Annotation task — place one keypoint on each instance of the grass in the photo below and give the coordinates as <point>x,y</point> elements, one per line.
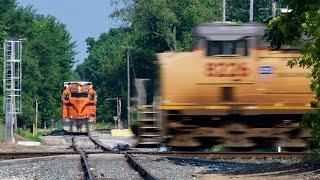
<point>103,126</point>
<point>312,158</point>
<point>2,132</point>
<point>26,133</point>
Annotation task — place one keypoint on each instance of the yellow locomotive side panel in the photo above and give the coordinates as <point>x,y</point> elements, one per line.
<point>194,79</point>
<point>233,90</point>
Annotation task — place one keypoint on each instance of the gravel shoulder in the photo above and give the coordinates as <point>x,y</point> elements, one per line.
<point>5,147</point>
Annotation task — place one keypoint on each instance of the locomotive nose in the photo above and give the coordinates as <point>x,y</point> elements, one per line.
<point>79,105</point>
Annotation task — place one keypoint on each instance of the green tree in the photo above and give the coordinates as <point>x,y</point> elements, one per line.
<point>300,27</point>
<point>53,50</point>
<point>47,59</point>
<point>165,24</point>
<point>6,6</point>
<point>238,10</point>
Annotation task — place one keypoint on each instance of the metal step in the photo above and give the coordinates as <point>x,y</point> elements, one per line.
<point>150,143</point>
<point>149,112</point>
<point>149,127</point>
<point>149,120</point>
<point>150,135</point>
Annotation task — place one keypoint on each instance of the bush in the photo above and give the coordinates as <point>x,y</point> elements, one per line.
<point>311,121</point>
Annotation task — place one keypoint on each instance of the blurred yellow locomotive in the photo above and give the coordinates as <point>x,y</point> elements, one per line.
<point>233,90</point>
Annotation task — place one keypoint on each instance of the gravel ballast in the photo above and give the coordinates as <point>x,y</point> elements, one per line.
<point>111,141</point>
<point>111,166</point>
<point>192,168</point>
<point>58,167</point>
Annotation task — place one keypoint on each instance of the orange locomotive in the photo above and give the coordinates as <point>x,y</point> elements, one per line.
<point>79,107</point>
<point>233,90</point>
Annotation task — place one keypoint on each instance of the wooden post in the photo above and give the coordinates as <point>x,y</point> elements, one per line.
<point>33,129</point>
<point>36,126</point>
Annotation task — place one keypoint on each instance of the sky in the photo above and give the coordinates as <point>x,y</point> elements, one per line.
<point>83,18</point>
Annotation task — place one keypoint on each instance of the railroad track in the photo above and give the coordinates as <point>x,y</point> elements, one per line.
<point>131,156</point>
<point>130,159</point>
<point>202,155</point>
<point>84,161</point>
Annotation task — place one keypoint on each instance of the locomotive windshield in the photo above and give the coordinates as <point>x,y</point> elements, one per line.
<point>227,48</point>
<point>227,39</point>
<point>79,95</point>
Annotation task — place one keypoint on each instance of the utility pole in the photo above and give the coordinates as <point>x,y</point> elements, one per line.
<point>224,11</point>
<point>251,11</point>
<point>36,128</point>
<point>128,49</point>
<point>274,7</point>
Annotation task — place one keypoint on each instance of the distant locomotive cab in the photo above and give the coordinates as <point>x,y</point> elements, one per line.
<point>79,107</point>
<point>231,72</point>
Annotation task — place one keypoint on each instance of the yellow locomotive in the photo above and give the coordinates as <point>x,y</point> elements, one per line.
<point>233,90</point>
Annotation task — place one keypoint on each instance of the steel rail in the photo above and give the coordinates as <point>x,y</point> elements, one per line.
<point>135,165</point>
<point>206,155</point>
<point>21,155</point>
<point>98,144</point>
<point>230,155</point>
<point>33,154</point>
<point>84,162</point>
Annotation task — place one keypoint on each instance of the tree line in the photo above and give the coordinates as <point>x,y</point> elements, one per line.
<point>47,59</point>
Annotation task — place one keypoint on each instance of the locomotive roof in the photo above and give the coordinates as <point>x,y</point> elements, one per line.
<point>229,31</point>
<point>82,83</point>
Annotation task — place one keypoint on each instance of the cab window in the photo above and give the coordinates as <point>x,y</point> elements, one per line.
<point>79,95</point>
<point>215,48</point>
